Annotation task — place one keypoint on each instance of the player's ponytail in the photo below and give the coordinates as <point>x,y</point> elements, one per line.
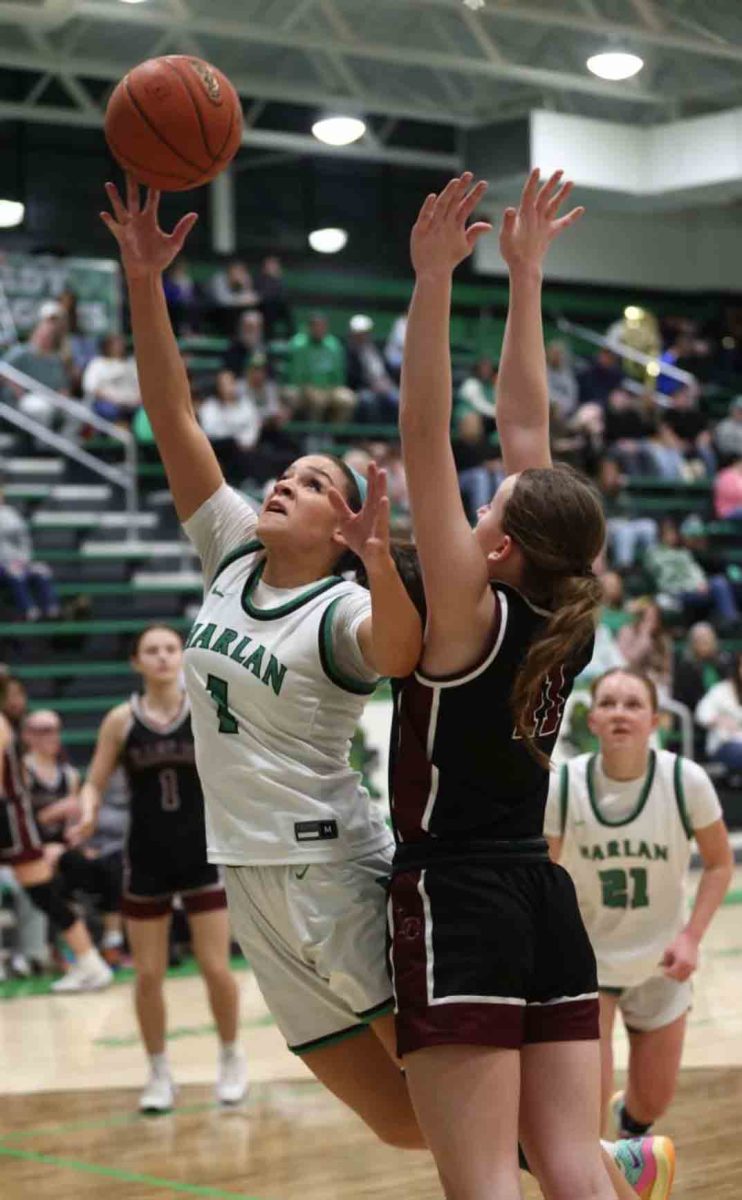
<point>555,517</point>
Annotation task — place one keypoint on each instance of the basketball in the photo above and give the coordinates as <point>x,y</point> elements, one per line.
<point>174,122</point>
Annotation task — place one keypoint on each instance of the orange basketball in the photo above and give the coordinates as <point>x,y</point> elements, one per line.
<point>174,122</point>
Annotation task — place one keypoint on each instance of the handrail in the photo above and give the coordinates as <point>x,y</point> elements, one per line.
<point>125,478</point>
<point>637,356</point>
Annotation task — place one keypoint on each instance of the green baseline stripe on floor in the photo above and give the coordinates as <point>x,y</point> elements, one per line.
<point>733,897</point>
<point>154,1181</point>
<point>133,1117</point>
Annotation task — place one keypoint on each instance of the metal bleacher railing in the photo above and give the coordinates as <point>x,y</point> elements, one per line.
<point>627,352</point>
<point>125,476</point>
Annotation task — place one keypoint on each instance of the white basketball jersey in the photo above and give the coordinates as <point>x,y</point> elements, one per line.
<point>629,875</point>
<point>273,717</point>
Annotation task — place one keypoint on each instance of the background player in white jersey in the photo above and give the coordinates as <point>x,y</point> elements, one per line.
<point>150,736</point>
<point>622,822</point>
<point>279,664</point>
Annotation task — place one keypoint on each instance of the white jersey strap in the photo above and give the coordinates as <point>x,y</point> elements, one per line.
<point>677,778</point>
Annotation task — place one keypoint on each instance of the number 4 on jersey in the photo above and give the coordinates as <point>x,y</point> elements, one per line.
<point>550,707</point>
<point>219,692</point>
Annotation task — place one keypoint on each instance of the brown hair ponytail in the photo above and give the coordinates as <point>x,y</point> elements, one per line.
<point>555,517</point>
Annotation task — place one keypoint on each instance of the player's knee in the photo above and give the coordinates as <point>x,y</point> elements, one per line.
<point>402,1134</point>
<point>149,977</point>
<point>51,900</point>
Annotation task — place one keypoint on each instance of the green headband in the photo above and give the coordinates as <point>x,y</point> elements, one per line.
<point>360,483</point>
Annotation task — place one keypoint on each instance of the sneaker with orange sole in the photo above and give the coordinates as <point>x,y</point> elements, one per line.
<point>648,1164</point>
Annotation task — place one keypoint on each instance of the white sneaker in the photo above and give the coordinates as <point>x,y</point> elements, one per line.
<point>232,1082</point>
<point>89,978</point>
<point>158,1096</point>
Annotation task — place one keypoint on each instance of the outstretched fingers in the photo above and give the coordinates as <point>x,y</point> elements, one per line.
<point>546,191</point>
<point>380,528</point>
<point>552,208</point>
<point>471,200</point>
<point>339,505</point>
<point>569,219</point>
<point>132,194</point>
<point>183,228</point>
<point>117,204</point>
<point>530,189</point>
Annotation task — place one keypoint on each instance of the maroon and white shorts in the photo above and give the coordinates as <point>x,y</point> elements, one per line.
<point>20,841</point>
<point>489,953</point>
<point>148,893</point>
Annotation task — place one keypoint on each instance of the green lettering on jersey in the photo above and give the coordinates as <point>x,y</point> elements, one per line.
<point>192,634</point>
<point>585,852</point>
<point>660,852</point>
<point>644,851</point>
<point>274,674</point>
<point>255,662</point>
<point>224,641</point>
<point>612,850</point>
<point>627,848</point>
<point>204,638</point>
<point>598,853</point>
<point>241,645</point>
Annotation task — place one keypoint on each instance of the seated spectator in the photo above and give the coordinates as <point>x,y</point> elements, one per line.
<point>475,463</point>
<point>276,448</point>
<point>273,302</point>
<point>247,342</point>
<point>477,392</point>
<point>233,287</point>
<point>663,451</point>
<point>679,578</point>
<point>690,427</point>
<point>29,582</point>
<point>77,347</point>
<point>231,422</point>
<point>184,298</point>
<point>720,714</point>
<point>646,646</point>
<point>626,431</point>
<point>394,348</point>
<point>614,614</point>
<point>40,358</point>
<point>709,554</point>
<point>53,784</point>
<point>728,492</point>
<point>316,374</point>
<point>728,433</point>
<point>628,536</point>
<point>367,375</point>
<point>561,378</point>
<point>396,484</point>
<point>700,667</point>
<point>680,348</point>
<point>603,376</point>
<point>110,383</point>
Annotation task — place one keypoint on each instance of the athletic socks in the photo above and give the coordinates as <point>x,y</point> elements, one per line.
<point>159,1065</point>
<point>229,1050</point>
<point>113,940</point>
<point>631,1127</point>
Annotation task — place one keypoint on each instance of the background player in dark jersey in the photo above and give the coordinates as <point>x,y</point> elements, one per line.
<point>151,736</point>
<point>495,979</point>
<point>53,784</point>
<point>21,848</point>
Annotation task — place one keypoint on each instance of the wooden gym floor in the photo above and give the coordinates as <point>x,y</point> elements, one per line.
<point>71,1067</point>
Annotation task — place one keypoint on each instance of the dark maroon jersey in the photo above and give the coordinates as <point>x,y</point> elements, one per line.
<point>458,769</point>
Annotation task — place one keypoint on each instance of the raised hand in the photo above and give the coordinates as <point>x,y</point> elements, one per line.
<point>145,248</point>
<point>366,533</point>
<point>440,237</point>
<point>528,230</point>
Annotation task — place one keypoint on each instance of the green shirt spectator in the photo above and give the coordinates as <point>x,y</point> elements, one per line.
<point>316,357</point>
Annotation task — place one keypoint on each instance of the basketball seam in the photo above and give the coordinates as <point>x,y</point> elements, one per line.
<point>186,84</point>
<point>229,131</point>
<point>126,158</point>
<point>158,134</point>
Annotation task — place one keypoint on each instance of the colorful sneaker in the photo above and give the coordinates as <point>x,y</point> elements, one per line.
<point>648,1164</point>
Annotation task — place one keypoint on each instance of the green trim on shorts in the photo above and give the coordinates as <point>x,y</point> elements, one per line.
<point>320,1043</point>
<point>379,1010</point>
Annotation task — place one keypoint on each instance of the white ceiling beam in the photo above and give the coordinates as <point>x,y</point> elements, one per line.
<point>300,9</point>
<point>336,21</point>
<point>249,85</point>
<point>486,44</point>
<point>295,143</point>
<point>648,15</point>
<point>404,56</point>
<point>77,92</point>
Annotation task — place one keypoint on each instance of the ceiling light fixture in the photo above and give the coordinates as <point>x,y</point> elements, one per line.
<point>339,131</point>
<point>12,213</point>
<point>328,241</point>
<point>615,65</point>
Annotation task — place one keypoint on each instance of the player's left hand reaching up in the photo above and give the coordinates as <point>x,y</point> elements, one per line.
<point>366,533</point>
<point>440,237</point>
<point>528,230</point>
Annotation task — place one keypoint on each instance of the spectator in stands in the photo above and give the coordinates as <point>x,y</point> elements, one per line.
<point>728,433</point>
<point>367,375</point>
<point>396,484</point>
<point>77,347</point>
<point>601,378</point>
<point>646,646</point>
<point>720,714</point>
<point>681,347</point>
<point>628,535</point>
<point>477,392</point>
<point>246,344</point>
<point>561,378</point>
<point>710,554</point>
<point>728,492</point>
<point>664,452</point>
<point>231,422</point>
<point>184,298</point>
<point>700,667</point>
<point>680,579</point>
<point>614,614</point>
<point>233,287</point>
<point>626,431</point>
<point>40,358</point>
<point>690,427</point>
<point>475,462</point>
<point>276,447</point>
<point>29,582</point>
<point>273,302</point>
<point>110,383</point>
<point>394,348</point>
<point>316,374</point>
